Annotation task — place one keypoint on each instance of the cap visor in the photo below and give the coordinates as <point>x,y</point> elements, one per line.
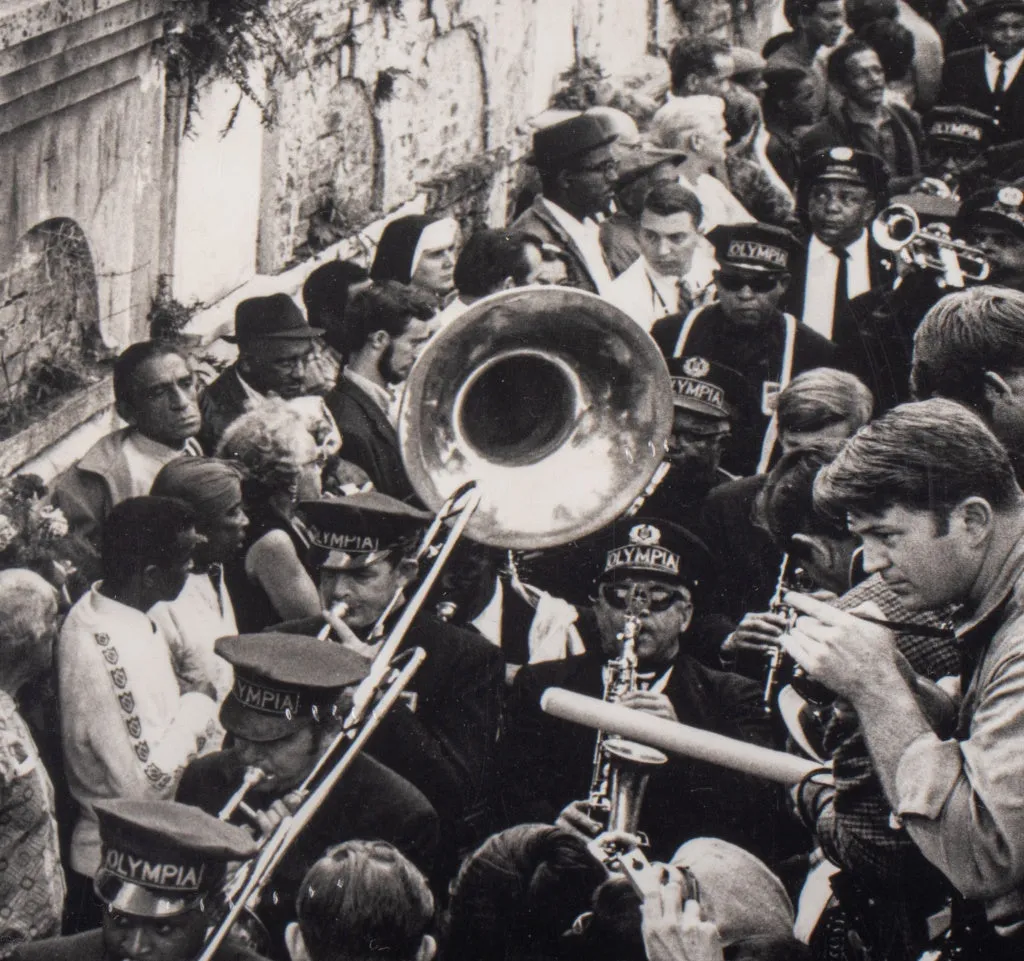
<point>136,900</point>
<point>698,407</point>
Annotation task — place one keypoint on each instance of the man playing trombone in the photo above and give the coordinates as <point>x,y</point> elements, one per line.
<point>281,716</point>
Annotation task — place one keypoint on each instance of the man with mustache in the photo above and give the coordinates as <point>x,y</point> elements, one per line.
<point>385,328</point>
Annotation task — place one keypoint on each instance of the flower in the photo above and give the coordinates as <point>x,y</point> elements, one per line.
<point>8,532</point>
<point>54,523</point>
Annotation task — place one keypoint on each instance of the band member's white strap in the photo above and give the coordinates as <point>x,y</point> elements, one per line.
<point>771,434</point>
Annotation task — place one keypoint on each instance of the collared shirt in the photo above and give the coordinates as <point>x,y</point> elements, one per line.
<point>145,457</point>
<point>822,273</point>
<point>253,396</point>
<point>586,235</point>
<point>720,206</point>
<point>992,63</point>
<point>962,800</point>
<point>31,880</point>
<point>381,396</point>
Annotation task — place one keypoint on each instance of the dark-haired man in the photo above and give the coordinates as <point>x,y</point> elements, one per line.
<point>163,865</point>
<point>276,347</point>
<point>789,105</point>
<point>657,572</point>
<point>745,329</point>
<point>386,326</point>
<point>578,172</point>
<point>958,541</point>
<point>127,727</point>
<point>155,393</point>
<point>863,120</point>
<point>700,65</point>
<point>987,78</point>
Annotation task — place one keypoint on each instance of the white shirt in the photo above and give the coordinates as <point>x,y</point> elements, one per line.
<point>126,729</point>
<point>822,272</point>
<point>145,457</point>
<point>720,205</point>
<point>992,69</point>
<point>586,235</point>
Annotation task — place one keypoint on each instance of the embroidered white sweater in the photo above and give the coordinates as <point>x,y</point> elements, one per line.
<point>127,731</point>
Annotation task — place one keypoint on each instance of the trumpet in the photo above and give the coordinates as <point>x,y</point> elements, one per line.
<point>253,776</point>
<point>898,228</point>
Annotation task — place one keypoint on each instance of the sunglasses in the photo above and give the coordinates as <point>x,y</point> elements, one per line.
<point>758,283</point>
<point>654,599</point>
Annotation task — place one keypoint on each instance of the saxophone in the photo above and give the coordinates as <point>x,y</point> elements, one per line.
<point>621,768</point>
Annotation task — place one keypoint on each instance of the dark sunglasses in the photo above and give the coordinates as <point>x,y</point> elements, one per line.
<point>655,600</point>
<point>758,283</point>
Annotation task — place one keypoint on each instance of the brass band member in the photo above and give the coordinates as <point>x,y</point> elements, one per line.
<point>162,864</point>
<point>658,570</point>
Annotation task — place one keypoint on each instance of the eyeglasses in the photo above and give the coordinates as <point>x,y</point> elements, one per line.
<point>608,168</point>
<point>758,283</point>
<point>654,599</point>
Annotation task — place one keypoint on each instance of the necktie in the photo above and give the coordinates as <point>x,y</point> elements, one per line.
<point>1000,86</point>
<point>842,298</point>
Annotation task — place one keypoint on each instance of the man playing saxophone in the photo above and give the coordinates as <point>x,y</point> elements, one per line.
<point>651,575</point>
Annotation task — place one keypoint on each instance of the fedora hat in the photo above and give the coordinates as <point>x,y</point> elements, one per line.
<point>276,317</point>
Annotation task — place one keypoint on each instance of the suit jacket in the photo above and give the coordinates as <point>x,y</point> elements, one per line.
<point>89,946</point>
<point>537,221</point>
<point>548,761</point>
<point>367,438</point>
<point>222,403</point>
<point>964,82</point>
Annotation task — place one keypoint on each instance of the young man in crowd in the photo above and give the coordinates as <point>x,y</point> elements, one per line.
<point>957,795</point>
<point>655,571</point>
<point>664,280</point>
<point>816,24</point>
<point>385,328</point>
<point>31,880</point>
<point>789,105</point>
<point>578,171</point>
<point>863,119</point>
<point>155,393</point>
<point>988,78</point>
<point>283,714</point>
<point>127,726</point>
<point>276,347</point>
<point>745,329</point>
<point>162,866</point>
<point>700,65</point>
<point>367,896</point>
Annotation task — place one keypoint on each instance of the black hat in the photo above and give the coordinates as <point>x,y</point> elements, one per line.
<point>983,11</point>
<point>160,857</point>
<point>562,144</point>
<point>358,530</point>
<point>276,317</point>
<point>753,246</point>
<point>705,386</point>
<point>652,546</point>
<point>847,165</point>
<point>958,124</point>
<point>284,682</point>
<point>1000,206</point>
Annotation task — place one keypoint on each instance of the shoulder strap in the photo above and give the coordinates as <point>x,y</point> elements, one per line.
<point>771,434</point>
<point>687,329</point>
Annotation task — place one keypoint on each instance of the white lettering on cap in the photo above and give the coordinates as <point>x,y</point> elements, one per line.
<point>166,875</point>
<point>758,252</point>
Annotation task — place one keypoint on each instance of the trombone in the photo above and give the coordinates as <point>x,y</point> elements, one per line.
<point>898,228</point>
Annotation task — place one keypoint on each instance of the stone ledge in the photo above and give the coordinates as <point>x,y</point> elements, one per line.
<point>24,19</point>
<point>76,410</point>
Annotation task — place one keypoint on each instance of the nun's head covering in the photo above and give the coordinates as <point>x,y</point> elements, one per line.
<point>403,242</point>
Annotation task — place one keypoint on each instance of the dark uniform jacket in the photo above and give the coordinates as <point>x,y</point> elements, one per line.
<point>89,946</point>
<point>964,82</point>
<point>757,355</point>
<point>222,403</point>
<point>370,802</point>
<point>446,748</point>
<point>538,222</point>
<point>548,761</point>
<point>368,439</point>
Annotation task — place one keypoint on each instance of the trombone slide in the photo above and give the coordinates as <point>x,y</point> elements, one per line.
<point>676,738</point>
<point>253,776</point>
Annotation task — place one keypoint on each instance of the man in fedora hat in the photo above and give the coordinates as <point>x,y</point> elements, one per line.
<point>578,172</point>
<point>987,78</point>
<point>275,349</point>
<point>162,866</point>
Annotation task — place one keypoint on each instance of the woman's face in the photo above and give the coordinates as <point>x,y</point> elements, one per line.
<point>310,463</point>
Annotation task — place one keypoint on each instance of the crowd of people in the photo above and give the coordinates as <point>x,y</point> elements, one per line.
<point>825,243</point>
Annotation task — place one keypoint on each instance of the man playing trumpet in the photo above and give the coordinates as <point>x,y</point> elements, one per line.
<point>655,573</point>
